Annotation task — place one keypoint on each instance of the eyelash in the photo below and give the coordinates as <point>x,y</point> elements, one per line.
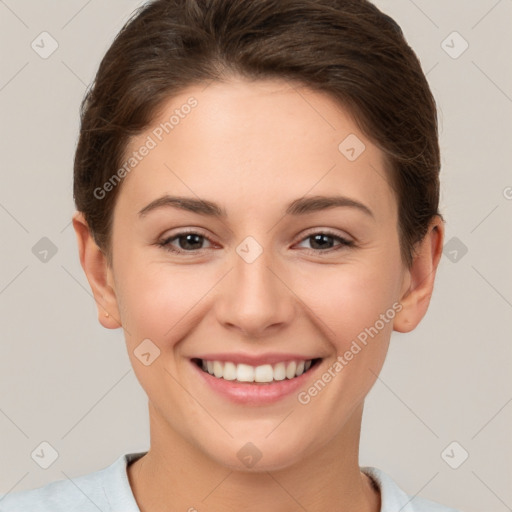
<point>165,243</point>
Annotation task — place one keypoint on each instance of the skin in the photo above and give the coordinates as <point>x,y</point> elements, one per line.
<point>253,147</point>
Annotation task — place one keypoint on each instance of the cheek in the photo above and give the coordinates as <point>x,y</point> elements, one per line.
<point>356,305</point>
<point>349,300</point>
<point>358,309</point>
<point>157,301</point>
<point>161,305</point>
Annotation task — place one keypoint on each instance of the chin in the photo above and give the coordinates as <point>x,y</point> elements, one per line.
<point>256,456</point>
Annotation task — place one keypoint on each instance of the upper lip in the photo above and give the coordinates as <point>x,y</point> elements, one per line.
<point>255,360</point>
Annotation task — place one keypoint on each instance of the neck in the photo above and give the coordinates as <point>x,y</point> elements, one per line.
<point>176,476</point>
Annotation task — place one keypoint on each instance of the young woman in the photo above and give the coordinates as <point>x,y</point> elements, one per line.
<point>257,189</point>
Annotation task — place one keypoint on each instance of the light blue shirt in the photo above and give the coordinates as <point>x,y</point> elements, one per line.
<point>108,490</point>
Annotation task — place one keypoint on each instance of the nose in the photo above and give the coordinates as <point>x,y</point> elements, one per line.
<point>254,298</point>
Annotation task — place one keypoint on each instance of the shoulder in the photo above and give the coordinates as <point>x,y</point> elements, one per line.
<point>107,489</point>
<point>84,494</point>
<point>393,498</point>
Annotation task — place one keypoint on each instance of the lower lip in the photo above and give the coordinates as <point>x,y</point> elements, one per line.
<point>255,394</point>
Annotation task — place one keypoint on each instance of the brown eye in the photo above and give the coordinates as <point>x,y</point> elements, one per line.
<point>187,242</point>
<point>323,241</point>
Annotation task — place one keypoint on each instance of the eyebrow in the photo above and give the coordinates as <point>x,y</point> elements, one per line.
<point>301,206</point>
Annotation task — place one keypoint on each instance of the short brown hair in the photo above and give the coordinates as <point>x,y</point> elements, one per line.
<point>346,48</point>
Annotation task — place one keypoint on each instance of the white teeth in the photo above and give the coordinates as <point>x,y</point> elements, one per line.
<point>218,369</point>
<point>263,373</point>
<point>290,370</point>
<point>245,373</point>
<point>279,371</point>
<point>229,371</point>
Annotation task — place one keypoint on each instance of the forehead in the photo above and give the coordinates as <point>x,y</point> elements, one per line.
<point>256,144</point>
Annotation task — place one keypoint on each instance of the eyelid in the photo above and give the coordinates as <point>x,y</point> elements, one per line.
<point>183,231</point>
<point>326,231</point>
<point>344,240</point>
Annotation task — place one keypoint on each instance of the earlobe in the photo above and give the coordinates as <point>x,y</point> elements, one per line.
<point>419,281</point>
<point>98,273</point>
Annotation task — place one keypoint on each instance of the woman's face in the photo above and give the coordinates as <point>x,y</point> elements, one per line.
<point>278,279</point>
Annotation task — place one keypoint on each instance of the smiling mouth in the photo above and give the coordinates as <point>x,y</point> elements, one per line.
<point>263,374</point>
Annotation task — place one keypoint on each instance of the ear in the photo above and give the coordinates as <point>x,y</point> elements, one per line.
<point>418,281</point>
<point>98,273</point>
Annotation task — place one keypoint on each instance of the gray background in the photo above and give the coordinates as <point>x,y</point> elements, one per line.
<point>67,381</point>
